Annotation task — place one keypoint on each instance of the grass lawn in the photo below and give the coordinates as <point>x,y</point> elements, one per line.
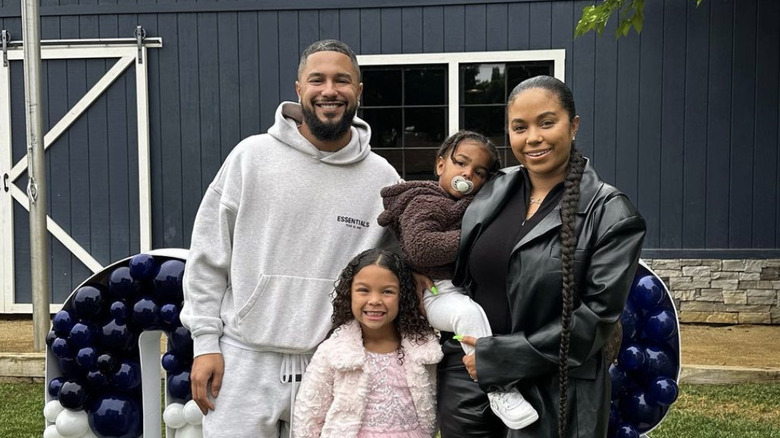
<point>711,411</point>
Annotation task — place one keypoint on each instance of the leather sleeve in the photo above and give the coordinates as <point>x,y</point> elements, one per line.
<point>505,360</point>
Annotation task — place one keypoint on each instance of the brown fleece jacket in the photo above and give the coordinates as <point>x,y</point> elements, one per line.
<point>426,221</point>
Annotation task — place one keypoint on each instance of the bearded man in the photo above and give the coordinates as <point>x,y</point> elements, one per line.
<point>285,213</point>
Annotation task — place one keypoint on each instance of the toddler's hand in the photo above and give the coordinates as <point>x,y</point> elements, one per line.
<point>470,360</point>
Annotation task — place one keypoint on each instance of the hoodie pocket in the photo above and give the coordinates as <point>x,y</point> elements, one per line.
<point>286,313</point>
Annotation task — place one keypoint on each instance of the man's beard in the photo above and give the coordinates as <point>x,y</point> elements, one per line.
<point>328,131</point>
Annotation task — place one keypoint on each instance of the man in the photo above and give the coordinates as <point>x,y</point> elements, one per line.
<point>285,213</point>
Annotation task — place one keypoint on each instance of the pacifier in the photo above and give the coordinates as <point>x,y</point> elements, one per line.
<point>462,185</point>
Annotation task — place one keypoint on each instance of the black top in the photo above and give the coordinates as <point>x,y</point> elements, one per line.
<point>489,259</point>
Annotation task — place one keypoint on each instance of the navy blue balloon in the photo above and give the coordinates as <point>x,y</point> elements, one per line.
<point>663,391</point>
<point>89,302</point>
<point>660,362</point>
<point>122,285</point>
<point>619,379</point>
<point>54,386</point>
<point>642,414</point>
<point>72,395</point>
<point>181,341</point>
<point>660,325</point>
<point>179,386</point>
<point>625,430</point>
<point>116,336</point>
<point>146,314</point>
<point>171,363</point>
<point>70,369</point>
<point>119,311</point>
<point>116,416</point>
<point>632,357</point>
<point>169,315</point>
<point>142,267</point>
<point>128,376</point>
<point>82,335</point>
<point>647,292</point>
<point>630,322</point>
<point>168,281</point>
<point>86,358</point>
<point>614,416</point>
<point>107,363</point>
<point>98,380</point>
<point>50,337</point>
<point>62,322</point>
<point>60,347</point>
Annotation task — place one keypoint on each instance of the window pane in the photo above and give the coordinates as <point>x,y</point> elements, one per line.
<point>385,126</point>
<point>482,83</point>
<point>424,127</point>
<point>425,85</point>
<point>509,158</point>
<point>419,164</point>
<point>393,156</point>
<point>518,72</point>
<point>487,120</point>
<point>381,86</point>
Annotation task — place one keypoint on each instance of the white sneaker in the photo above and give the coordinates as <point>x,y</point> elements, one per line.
<point>512,409</point>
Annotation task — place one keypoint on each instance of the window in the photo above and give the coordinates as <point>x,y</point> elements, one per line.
<point>413,102</point>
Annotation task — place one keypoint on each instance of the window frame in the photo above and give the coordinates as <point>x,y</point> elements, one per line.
<point>453,60</point>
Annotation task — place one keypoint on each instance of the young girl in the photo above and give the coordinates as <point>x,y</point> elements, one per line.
<point>376,373</point>
<point>426,217</point>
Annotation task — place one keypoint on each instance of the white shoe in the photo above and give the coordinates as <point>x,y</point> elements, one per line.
<point>512,409</point>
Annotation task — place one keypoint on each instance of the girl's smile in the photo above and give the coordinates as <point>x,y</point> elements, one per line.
<point>375,297</point>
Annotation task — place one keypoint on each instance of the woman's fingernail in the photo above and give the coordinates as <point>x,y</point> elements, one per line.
<point>458,337</point>
<point>434,290</point>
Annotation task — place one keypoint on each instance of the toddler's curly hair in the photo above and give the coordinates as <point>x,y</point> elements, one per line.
<point>410,322</point>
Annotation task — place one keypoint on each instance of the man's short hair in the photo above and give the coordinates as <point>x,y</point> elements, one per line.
<point>328,46</point>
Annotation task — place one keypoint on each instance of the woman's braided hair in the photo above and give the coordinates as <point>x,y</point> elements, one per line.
<point>410,321</point>
<point>568,235</point>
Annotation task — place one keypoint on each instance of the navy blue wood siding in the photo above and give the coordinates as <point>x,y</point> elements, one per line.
<point>683,118</point>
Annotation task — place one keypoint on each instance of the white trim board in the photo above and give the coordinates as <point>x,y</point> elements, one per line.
<point>454,59</point>
<point>126,54</point>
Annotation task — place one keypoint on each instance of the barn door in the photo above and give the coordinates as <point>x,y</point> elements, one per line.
<point>77,220</point>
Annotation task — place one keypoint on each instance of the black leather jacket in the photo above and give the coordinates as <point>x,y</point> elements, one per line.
<point>610,234</point>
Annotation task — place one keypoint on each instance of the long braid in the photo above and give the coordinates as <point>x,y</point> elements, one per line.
<point>568,236</point>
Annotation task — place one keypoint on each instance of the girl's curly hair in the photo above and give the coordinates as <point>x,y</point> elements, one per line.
<point>410,323</point>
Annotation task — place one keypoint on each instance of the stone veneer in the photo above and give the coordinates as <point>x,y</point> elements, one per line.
<point>722,291</point>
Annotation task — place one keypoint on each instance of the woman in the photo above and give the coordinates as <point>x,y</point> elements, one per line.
<point>549,251</point>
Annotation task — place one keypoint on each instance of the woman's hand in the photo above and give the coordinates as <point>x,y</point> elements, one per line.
<point>470,360</point>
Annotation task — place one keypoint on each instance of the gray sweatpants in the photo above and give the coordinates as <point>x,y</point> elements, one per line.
<point>253,401</point>
<point>451,310</point>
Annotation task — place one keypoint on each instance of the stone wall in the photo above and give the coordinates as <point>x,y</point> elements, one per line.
<point>722,291</point>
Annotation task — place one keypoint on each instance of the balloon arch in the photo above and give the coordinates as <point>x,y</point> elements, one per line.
<point>103,359</point>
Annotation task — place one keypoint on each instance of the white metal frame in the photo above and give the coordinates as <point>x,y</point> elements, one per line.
<point>453,61</point>
<point>127,54</point>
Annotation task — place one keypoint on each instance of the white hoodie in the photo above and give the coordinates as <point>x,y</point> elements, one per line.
<point>274,230</point>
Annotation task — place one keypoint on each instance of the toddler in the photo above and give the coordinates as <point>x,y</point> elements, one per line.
<point>426,216</point>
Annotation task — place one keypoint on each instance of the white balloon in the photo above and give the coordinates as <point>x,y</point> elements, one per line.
<point>174,415</point>
<point>190,431</point>
<point>192,413</point>
<point>51,432</point>
<point>52,409</point>
<point>72,423</point>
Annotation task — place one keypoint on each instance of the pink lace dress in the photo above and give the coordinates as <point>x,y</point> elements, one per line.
<point>390,411</point>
